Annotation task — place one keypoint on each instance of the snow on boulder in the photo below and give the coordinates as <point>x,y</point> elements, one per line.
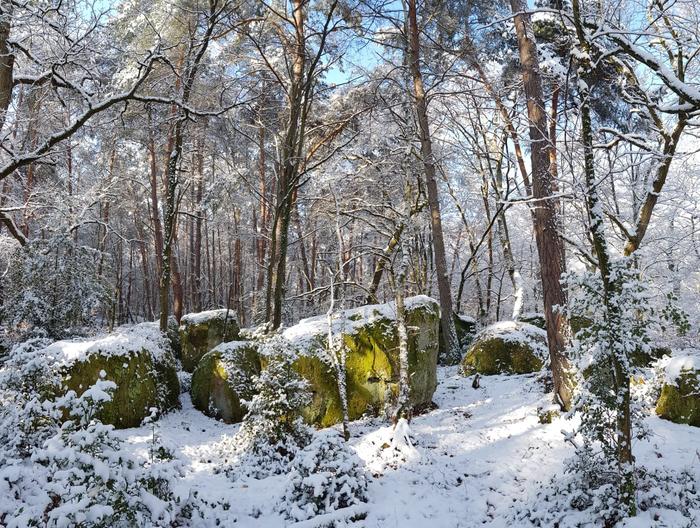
<point>680,395</point>
<point>138,359</point>
<point>223,378</point>
<point>370,337</point>
<point>201,332</point>
<point>534,318</point>
<point>507,347</point>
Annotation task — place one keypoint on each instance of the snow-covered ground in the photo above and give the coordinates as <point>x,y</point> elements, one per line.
<point>475,456</point>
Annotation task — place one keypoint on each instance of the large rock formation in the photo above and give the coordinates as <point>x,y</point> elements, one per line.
<point>137,358</point>
<point>370,338</point>
<point>680,395</point>
<point>507,347</point>
<point>201,332</point>
<point>223,378</point>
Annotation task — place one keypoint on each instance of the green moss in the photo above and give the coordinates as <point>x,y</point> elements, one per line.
<point>372,368</point>
<point>535,319</point>
<point>681,403</point>
<point>196,339</point>
<point>141,384</point>
<point>578,323</point>
<point>497,354</point>
<point>216,391</point>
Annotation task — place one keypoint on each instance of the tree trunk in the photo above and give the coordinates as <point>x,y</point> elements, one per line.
<point>452,353</point>
<point>611,285</point>
<point>546,219</point>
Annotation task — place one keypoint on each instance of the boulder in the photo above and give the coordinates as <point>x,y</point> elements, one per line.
<point>466,328</point>
<point>223,378</point>
<point>679,401</point>
<point>137,358</point>
<point>370,338</point>
<point>534,318</point>
<point>201,332</point>
<point>507,347</point>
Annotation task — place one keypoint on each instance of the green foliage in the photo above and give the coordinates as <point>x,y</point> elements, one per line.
<point>53,287</point>
<point>672,314</point>
<point>272,431</point>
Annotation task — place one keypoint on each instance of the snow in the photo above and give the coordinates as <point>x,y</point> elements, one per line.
<point>516,331</point>
<point>681,361</point>
<point>482,451</point>
<point>203,317</point>
<point>124,340</point>
<point>305,334</point>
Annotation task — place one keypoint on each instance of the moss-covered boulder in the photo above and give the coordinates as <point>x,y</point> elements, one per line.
<point>466,330</point>
<point>137,359</point>
<point>680,395</point>
<point>370,338</point>
<point>534,318</point>
<point>223,378</point>
<point>507,347</point>
<point>201,332</point>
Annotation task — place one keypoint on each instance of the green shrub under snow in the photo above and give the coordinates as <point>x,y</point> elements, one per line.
<point>61,466</point>
<point>326,478</point>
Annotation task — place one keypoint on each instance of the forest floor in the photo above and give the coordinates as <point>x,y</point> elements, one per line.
<point>474,458</point>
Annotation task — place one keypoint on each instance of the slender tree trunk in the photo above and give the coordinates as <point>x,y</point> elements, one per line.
<point>611,286</point>
<point>452,353</point>
<point>172,180</point>
<point>546,219</point>
<point>7,59</point>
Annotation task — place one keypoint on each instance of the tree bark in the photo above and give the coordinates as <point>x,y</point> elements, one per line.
<point>452,353</point>
<point>546,218</point>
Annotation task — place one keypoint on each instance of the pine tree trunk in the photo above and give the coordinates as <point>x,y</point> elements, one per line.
<point>550,246</point>
<point>452,353</point>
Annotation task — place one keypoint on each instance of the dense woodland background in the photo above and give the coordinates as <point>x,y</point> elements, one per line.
<point>143,129</point>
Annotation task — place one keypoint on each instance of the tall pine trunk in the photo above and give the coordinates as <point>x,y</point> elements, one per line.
<point>452,354</point>
<point>550,246</point>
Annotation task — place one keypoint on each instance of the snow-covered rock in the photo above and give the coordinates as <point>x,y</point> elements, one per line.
<point>201,332</point>
<point>680,395</point>
<point>137,358</point>
<point>370,338</point>
<point>223,378</point>
<point>506,347</point>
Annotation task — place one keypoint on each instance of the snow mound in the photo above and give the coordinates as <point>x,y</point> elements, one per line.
<point>685,360</point>
<point>124,340</point>
<point>305,333</point>
<point>203,317</point>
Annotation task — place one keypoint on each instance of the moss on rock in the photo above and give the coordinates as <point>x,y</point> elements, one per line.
<point>223,378</point>
<point>370,336</point>
<point>506,348</point>
<point>201,332</point>
<point>142,383</point>
<point>466,330</point>
<point>534,318</point>
<point>679,401</point>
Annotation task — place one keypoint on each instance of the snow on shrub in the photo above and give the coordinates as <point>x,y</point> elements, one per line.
<point>53,287</point>
<point>272,431</point>
<point>326,476</point>
<point>59,466</point>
